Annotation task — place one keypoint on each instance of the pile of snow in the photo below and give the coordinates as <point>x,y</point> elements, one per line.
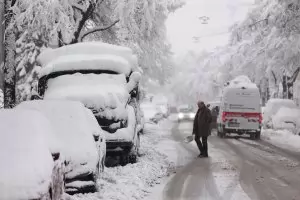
<point>127,133</point>
<point>272,107</point>
<point>282,138</point>
<point>72,128</point>
<point>87,62</point>
<point>287,118</point>
<point>136,181</point>
<point>88,48</point>
<point>242,81</point>
<point>105,93</point>
<point>26,161</point>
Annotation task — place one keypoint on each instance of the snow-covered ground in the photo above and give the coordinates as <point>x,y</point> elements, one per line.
<point>136,181</point>
<point>282,138</point>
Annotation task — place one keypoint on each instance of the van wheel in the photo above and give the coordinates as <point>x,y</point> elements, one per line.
<point>257,135</point>
<point>252,136</point>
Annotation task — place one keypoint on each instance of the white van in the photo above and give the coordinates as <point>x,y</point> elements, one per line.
<point>240,110</point>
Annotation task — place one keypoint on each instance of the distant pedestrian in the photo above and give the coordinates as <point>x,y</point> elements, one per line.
<point>201,128</point>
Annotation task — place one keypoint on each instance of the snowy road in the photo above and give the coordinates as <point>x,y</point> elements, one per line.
<point>237,169</point>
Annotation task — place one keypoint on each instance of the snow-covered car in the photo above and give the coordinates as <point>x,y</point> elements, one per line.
<point>31,165</point>
<point>288,119</point>
<point>105,78</point>
<point>157,117</point>
<point>149,110</point>
<point>272,107</point>
<point>82,141</point>
<point>186,113</point>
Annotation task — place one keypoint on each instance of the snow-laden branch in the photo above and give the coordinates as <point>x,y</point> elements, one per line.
<point>96,29</point>
<point>79,7</point>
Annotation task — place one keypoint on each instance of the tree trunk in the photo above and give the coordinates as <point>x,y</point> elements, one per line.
<point>2,30</point>
<point>9,70</point>
<point>284,86</point>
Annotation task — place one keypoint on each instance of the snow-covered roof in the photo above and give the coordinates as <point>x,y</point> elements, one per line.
<point>106,93</point>
<point>241,82</point>
<point>72,128</point>
<point>87,62</point>
<point>89,48</point>
<point>26,161</point>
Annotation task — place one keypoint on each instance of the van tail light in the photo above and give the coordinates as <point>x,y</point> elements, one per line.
<point>260,118</point>
<point>223,116</point>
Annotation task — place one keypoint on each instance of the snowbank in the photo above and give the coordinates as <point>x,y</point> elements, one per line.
<point>90,48</point>
<point>282,138</point>
<point>105,93</point>
<point>136,181</point>
<point>87,62</point>
<point>73,130</point>
<point>26,161</point>
<point>272,107</point>
<point>125,134</point>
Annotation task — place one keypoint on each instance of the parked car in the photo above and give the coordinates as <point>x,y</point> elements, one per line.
<point>287,119</point>
<point>240,109</point>
<point>31,165</point>
<point>272,107</point>
<point>186,113</point>
<point>81,138</point>
<point>105,78</point>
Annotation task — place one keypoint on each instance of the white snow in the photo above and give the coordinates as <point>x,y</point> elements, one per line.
<point>127,133</point>
<point>71,126</point>
<point>287,118</point>
<point>87,62</point>
<point>149,110</point>
<point>105,93</point>
<point>26,161</point>
<point>272,107</point>
<point>282,138</point>
<point>136,181</point>
<point>90,48</point>
<point>242,81</point>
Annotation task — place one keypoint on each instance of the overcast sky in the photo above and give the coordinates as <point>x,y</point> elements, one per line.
<point>184,24</point>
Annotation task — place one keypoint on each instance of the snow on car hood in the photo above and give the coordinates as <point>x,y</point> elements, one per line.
<point>73,130</point>
<point>107,94</point>
<point>26,162</point>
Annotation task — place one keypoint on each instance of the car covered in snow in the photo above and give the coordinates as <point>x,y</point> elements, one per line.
<point>105,78</point>
<point>287,119</point>
<point>31,165</point>
<point>82,141</point>
<point>271,109</point>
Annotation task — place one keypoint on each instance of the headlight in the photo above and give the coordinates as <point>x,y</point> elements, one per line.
<point>180,115</point>
<point>192,115</point>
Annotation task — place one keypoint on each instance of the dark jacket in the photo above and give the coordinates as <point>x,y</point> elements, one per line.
<point>202,122</point>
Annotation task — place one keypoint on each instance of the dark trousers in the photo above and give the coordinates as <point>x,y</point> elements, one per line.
<point>202,146</point>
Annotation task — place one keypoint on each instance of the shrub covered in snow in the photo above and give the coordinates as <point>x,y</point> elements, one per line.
<point>73,128</point>
<point>27,167</point>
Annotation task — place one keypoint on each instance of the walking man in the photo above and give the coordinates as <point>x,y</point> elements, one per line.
<point>201,128</point>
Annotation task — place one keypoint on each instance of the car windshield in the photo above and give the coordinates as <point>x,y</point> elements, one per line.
<point>185,110</point>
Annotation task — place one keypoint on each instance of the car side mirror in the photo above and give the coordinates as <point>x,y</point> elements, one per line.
<point>96,138</point>
<point>55,156</point>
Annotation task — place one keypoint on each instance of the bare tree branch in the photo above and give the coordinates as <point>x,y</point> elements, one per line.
<point>96,29</point>
<point>79,7</point>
